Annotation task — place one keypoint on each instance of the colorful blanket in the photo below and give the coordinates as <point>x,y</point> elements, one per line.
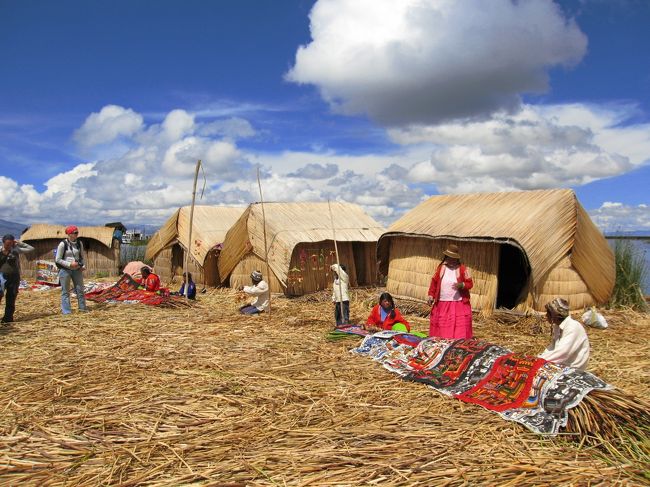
<point>126,290</point>
<point>526,389</point>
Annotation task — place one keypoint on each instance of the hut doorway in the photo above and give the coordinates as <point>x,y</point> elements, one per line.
<point>359,263</point>
<point>512,277</point>
<point>178,258</point>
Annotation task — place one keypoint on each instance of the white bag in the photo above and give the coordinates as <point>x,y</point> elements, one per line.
<point>593,318</point>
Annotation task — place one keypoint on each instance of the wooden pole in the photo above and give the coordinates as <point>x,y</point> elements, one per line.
<point>338,263</point>
<point>266,249</point>
<point>189,241</point>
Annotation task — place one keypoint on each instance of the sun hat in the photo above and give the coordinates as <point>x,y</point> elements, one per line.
<point>71,229</point>
<point>452,251</point>
<point>256,275</point>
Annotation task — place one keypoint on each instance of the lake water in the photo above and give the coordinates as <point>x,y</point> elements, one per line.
<point>642,247</point>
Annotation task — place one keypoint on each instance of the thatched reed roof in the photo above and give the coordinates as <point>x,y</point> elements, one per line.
<point>547,225</point>
<point>209,229</point>
<point>289,224</point>
<point>43,231</point>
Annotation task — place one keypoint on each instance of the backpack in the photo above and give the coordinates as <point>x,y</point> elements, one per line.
<point>66,247</point>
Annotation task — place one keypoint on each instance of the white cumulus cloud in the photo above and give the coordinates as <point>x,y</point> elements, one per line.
<point>618,217</point>
<point>110,123</point>
<point>424,61</point>
<point>536,148</point>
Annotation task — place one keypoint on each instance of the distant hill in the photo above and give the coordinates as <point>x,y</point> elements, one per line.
<point>11,227</point>
<point>631,234</point>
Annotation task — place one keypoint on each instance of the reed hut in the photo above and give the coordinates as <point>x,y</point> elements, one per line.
<point>167,247</point>
<point>300,242</point>
<point>522,248</point>
<point>102,251</point>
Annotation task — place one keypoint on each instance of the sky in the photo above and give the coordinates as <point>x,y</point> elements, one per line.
<point>105,107</point>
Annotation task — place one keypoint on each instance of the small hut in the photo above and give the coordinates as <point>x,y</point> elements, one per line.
<point>102,251</point>
<point>300,245</point>
<point>523,249</point>
<point>167,247</point>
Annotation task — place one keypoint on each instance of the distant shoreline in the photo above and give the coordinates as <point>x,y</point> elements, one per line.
<point>627,237</point>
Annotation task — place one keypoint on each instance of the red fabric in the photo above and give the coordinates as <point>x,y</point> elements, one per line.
<point>451,319</point>
<point>434,287</point>
<point>151,283</point>
<point>70,229</point>
<point>375,319</point>
<point>507,386</point>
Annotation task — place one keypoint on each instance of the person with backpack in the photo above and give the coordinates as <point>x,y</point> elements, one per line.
<point>10,273</point>
<point>70,261</point>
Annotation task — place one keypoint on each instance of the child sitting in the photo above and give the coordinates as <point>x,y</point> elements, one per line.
<point>385,316</point>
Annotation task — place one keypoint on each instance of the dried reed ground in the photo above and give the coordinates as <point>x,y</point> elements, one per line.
<point>135,395</point>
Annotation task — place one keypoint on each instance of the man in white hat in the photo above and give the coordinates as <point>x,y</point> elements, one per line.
<point>569,344</point>
<point>260,290</point>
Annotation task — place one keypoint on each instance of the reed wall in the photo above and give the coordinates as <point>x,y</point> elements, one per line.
<point>413,261</point>
<point>241,274</point>
<point>168,264</point>
<point>100,260</point>
<point>562,282</point>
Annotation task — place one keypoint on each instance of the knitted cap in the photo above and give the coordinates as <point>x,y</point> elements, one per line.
<point>559,306</point>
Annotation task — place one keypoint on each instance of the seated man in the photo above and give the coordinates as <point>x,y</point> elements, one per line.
<point>149,281</point>
<point>260,290</point>
<point>569,343</point>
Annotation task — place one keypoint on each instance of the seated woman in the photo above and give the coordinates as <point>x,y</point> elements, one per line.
<point>191,287</point>
<point>385,316</point>
<point>569,343</point>
<point>149,281</point>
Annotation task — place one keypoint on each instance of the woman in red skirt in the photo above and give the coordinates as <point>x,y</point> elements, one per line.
<point>451,313</point>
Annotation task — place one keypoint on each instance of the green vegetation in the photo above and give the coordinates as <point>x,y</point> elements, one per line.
<point>630,274</point>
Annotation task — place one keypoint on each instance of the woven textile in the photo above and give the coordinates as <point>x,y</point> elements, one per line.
<point>507,385</point>
<point>521,388</point>
<point>125,290</point>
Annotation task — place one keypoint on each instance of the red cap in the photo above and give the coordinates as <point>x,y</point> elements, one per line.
<point>70,229</point>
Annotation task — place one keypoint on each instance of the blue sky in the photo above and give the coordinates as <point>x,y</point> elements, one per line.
<point>105,106</point>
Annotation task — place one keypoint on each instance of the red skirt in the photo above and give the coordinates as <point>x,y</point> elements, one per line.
<point>451,319</point>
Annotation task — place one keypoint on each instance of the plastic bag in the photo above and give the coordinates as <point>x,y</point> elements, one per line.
<point>593,318</point>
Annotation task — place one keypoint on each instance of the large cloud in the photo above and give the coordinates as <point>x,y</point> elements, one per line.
<point>431,60</point>
<point>539,147</point>
<point>553,146</point>
<point>110,123</point>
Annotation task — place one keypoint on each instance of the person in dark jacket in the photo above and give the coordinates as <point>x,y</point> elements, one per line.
<point>10,273</point>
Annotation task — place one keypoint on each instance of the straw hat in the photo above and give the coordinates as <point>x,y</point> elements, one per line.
<point>452,251</point>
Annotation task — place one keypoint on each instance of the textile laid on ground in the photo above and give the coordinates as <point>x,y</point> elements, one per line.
<point>91,286</point>
<point>125,290</point>
<point>526,389</point>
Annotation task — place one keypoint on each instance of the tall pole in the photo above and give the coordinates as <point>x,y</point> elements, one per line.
<point>189,238</point>
<point>338,263</point>
<point>266,249</point>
